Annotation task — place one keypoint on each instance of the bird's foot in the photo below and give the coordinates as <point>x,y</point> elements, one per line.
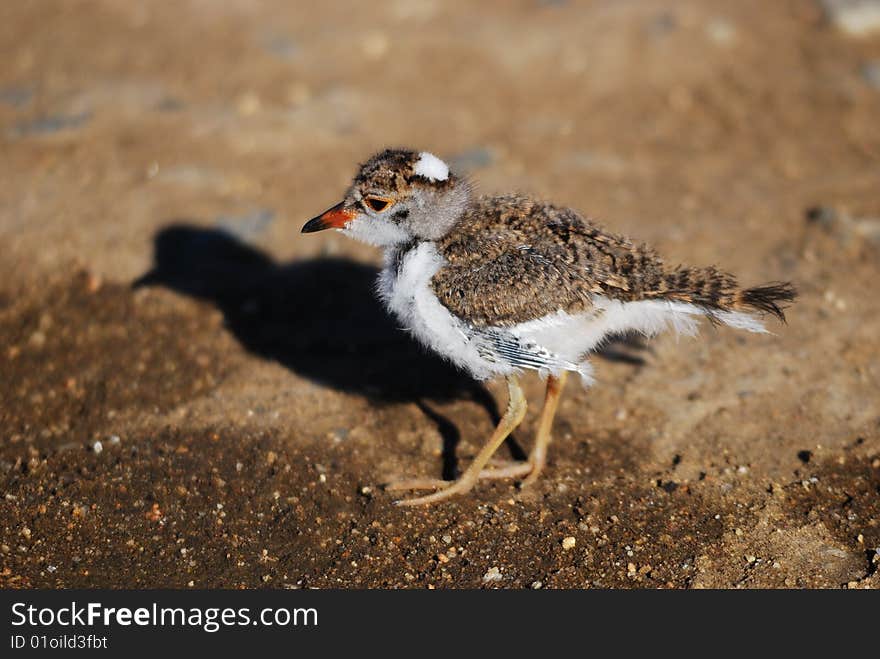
<point>446,489</point>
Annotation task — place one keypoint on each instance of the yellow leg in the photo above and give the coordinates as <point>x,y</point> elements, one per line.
<point>516,410</point>
<point>538,457</point>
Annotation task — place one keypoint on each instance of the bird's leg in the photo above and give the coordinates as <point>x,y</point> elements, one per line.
<point>516,409</point>
<point>538,456</point>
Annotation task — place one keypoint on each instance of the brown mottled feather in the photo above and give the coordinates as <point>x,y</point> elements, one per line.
<point>512,259</point>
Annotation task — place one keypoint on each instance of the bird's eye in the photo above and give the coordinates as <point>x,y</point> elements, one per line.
<point>378,204</point>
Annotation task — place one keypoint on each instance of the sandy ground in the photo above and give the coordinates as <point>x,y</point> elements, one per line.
<point>194,394</point>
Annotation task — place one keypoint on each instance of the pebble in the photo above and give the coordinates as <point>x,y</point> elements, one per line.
<point>871,73</point>
<point>248,104</point>
<point>280,45</point>
<point>51,124</point>
<point>37,339</point>
<point>721,32</point>
<point>16,96</point>
<point>247,226</point>
<point>375,45</point>
<point>97,447</point>
<point>536,585</point>
<point>568,543</point>
<point>473,158</point>
<point>855,17</point>
<point>446,539</point>
<point>492,574</point>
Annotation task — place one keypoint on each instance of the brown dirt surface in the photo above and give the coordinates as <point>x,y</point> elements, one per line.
<point>192,394</point>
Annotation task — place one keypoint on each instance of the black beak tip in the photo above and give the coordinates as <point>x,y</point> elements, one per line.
<point>315,224</point>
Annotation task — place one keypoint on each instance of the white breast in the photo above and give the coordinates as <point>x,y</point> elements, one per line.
<point>405,287</point>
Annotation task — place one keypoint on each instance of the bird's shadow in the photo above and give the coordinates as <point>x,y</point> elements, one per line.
<point>321,319</point>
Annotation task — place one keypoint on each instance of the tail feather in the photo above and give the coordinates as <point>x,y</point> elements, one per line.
<point>771,298</point>
<point>718,292</point>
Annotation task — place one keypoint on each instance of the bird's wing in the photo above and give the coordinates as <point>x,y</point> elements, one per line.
<point>500,344</point>
<point>504,268</point>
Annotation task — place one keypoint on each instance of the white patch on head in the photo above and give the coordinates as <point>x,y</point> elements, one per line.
<point>375,231</point>
<point>431,167</point>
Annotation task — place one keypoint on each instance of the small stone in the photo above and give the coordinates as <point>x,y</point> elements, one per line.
<point>114,440</point>
<point>630,569</point>
<point>492,574</point>
<point>568,543</point>
<point>375,45</point>
<point>474,158</point>
<point>536,585</point>
<point>721,32</point>
<point>446,539</point>
<point>97,447</point>
<point>855,17</point>
<point>248,104</point>
<point>871,73</point>
<point>37,339</point>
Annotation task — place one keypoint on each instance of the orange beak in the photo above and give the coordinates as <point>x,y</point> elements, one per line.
<point>332,218</point>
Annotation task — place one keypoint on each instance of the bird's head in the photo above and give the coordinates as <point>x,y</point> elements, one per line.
<point>398,196</point>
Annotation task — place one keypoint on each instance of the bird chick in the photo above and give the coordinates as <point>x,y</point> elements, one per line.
<point>502,284</point>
